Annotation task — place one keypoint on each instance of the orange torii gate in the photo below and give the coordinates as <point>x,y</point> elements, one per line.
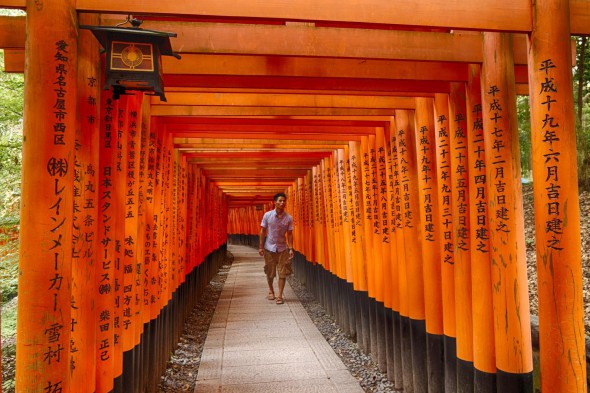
<point>146,192</point>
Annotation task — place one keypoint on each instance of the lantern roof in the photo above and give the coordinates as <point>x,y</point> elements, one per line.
<point>159,38</point>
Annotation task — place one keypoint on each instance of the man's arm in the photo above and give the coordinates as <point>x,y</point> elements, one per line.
<point>290,244</point>
<point>261,240</point>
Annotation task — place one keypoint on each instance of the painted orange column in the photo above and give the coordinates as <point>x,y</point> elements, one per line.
<point>382,200</point>
<point>142,256</point>
<point>345,213</point>
<point>149,257</point>
<point>308,205</point>
<point>105,271</point>
<point>167,208</point>
<point>484,356</point>
<point>44,307</point>
<point>431,237</point>
<point>444,176</point>
<point>85,251</point>
<point>118,223</point>
<point>319,217</point>
<point>509,270</point>
<point>461,228</point>
<point>130,322</point>
<point>340,264</point>
<point>46,215</point>
<point>367,208</point>
<point>395,224</point>
<point>398,269</point>
<point>557,215</point>
<point>376,227</point>
<point>327,169</point>
<point>182,219</point>
<point>408,176</point>
<point>357,218</point>
<point>429,214</point>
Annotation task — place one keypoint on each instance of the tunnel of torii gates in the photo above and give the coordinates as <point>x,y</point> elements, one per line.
<point>392,128</point>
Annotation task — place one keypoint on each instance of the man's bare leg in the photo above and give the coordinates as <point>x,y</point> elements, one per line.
<point>271,290</point>
<point>282,282</point>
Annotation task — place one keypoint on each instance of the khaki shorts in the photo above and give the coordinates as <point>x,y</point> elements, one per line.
<point>280,261</point>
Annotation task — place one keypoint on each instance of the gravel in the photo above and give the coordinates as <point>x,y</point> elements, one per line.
<point>361,366</point>
<point>181,372</point>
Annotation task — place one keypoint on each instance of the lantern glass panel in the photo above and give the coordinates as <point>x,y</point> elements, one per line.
<point>132,56</point>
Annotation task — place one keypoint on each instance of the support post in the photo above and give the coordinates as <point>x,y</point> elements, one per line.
<point>484,355</point>
<point>44,307</point>
<point>557,214</point>
<point>443,173</point>
<point>406,154</point>
<point>431,240</point>
<point>509,272</point>
<point>85,242</point>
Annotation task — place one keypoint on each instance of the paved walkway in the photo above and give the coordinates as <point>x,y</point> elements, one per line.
<point>255,345</point>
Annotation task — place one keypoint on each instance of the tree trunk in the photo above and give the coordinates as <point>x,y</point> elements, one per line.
<point>581,70</point>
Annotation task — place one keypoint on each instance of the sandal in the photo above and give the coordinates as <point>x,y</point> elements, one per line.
<point>270,296</point>
<point>280,301</point>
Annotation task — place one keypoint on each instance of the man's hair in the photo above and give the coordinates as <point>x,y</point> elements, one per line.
<point>278,195</point>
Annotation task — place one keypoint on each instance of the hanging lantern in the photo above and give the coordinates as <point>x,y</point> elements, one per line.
<point>133,57</point>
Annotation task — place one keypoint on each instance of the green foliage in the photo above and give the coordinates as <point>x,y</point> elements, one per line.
<point>581,78</point>
<point>524,134</point>
<point>11,114</point>
<point>9,266</point>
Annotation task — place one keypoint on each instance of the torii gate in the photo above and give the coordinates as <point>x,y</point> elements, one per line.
<point>366,112</point>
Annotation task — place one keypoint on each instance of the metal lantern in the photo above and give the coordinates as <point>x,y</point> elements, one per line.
<point>133,57</point>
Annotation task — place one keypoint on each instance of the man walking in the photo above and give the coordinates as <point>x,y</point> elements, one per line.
<point>277,226</point>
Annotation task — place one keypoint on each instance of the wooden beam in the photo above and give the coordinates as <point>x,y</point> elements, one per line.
<point>14,60</point>
<point>505,15</point>
<point>206,143</point>
<point>579,17</point>
<point>249,147</point>
<point>285,100</point>
<point>286,128</point>
<point>310,41</point>
<point>198,64</point>
<point>12,32</point>
<point>345,85</point>
<point>188,110</point>
<point>266,135</point>
<point>21,4</point>
<point>483,15</point>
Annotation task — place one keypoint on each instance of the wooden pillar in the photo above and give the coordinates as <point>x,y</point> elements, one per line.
<point>105,271</point>
<point>461,228</point>
<point>431,239</point>
<point>484,357</point>
<point>44,307</point>
<point>357,218</point>
<point>408,175</point>
<point>131,323</point>
<point>328,195</point>
<point>443,172</point>
<point>557,215</point>
<point>401,337</point>
<point>368,224</point>
<point>118,223</point>
<point>85,251</point>
<point>382,200</point>
<point>509,270</point>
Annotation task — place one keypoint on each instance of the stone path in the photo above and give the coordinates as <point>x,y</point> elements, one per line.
<point>255,345</point>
